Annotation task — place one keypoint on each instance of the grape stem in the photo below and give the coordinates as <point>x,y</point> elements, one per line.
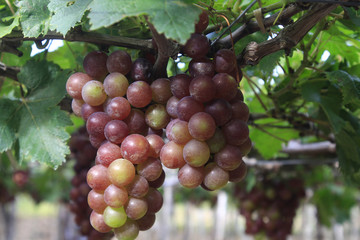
<point>10,72</point>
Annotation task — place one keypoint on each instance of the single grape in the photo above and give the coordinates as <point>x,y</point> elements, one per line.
<point>158,182</point>
<point>179,85</point>
<point>179,132</point>
<point>136,208</point>
<point>95,65</point>
<point>97,178</point>
<point>116,131</point>
<point>215,177</point>
<point>119,108</point>
<point>96,123</point>
<point>197,46</point>
<point>171,155</point>
<point>136,122</point>
<point>119,61</point>
<point>75,84</point>
<point>225,61</point>
<point>196,153</point>
<point>128,231</point>
<point>226,86</point>
<point>96,201</point>
<point>138,188</point>
<point>236,132</point>
<point>76,105</point>
<point>161,91</point>
<point>202,88</point>
<point>135,148</point>
<point>87,110</point>
<point>245,147</point>
<point>151,169</point>
<point>228,158</point>
<point>187,107</point>
<point>240,110</point>
<point>141,70</point>
<point>121,172</point>
<point>139,94</point>
<point>201,126</point>
<point>217,141</point>
<point>116,84</point>
<point>202,66</point>
<point>156,143</point>
<point>239,173</point>
<point>154,200</point>
<point>146,222</point>
<point>220,110</point>
<point>156,116</point>
<point>97,222</point>
<point>108,152</point>
<point>114,217</point>
<point>115,196</point>
<point>171,106</point>
<point>191,177</point>
<point>93,93</point>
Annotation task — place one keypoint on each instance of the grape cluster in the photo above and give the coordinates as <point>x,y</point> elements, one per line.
<point>126,110</point>
<point>270,207</point>
<point>84,154</point>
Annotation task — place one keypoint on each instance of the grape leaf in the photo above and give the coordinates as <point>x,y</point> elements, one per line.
<point>35,119</point>
<point>174,18</point>
<point>4,29</point>
<point>34,17</point>
<point>8,123</point>
<point>67,13</point>
<point>350,85</point>
<point>42,134</point>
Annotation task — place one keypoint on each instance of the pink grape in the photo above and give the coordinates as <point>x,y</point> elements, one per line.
<point>136,122</point>
<point>161,91</point>
<point>96,201</point>
<point>120,172</point>
<point>75,84</point>
<point>135,148</point>
<point>116,131</point>
<point>220,110</point>
<point>115,85</point>
<point>156,143</point>
<point>154,200</point>
<point>97,222</point>
<point>202,88</point>
<point>239,173</point>
<point>228,158</point>
<point>151,169</point>
<point>191,177</point>
<point>139,94</point>
<point>139,187</point>
<point>226,86</point>
<point>93,93</point>
<point>97,178</point>
<point>200,67</point>
<point>96,123</point>
<point>87,110</point>
<point>179,132</point>
<point>171,106</point>
<point>196,153</point>
<point>95,65</point>
<point>119,61</point>
<point>146,222</point>
<point>119,108</point>
<point>215,177</point>
<point>179,85</point>
<point>236,132</point>
<point>108,152</point>
<point>187,107</point>
<point>225,61</point>
<point>128,231</point>
<point>115,196</point>
<point>171,155</point>
<point>201,126</point>
<point>136,208</point>
<point>76,105</point>
<point>156,116</point>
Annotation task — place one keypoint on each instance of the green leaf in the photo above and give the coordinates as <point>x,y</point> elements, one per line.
<point>34,17</point>
<point>354,15</point>
<point>350,85</point>
<point>67,13</point>
<point>268,145</point>
<point>174,18</point>
<point>41,134</point>
<point>8,123</point>
<point>4,29</point>
<point>45,82</point>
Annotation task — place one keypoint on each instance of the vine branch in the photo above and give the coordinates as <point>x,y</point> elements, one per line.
<point>288,38</point>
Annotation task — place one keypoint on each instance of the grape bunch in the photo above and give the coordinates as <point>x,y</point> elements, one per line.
<point>270,207</point>
<point>127,110</point>
<point>84,154</point>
